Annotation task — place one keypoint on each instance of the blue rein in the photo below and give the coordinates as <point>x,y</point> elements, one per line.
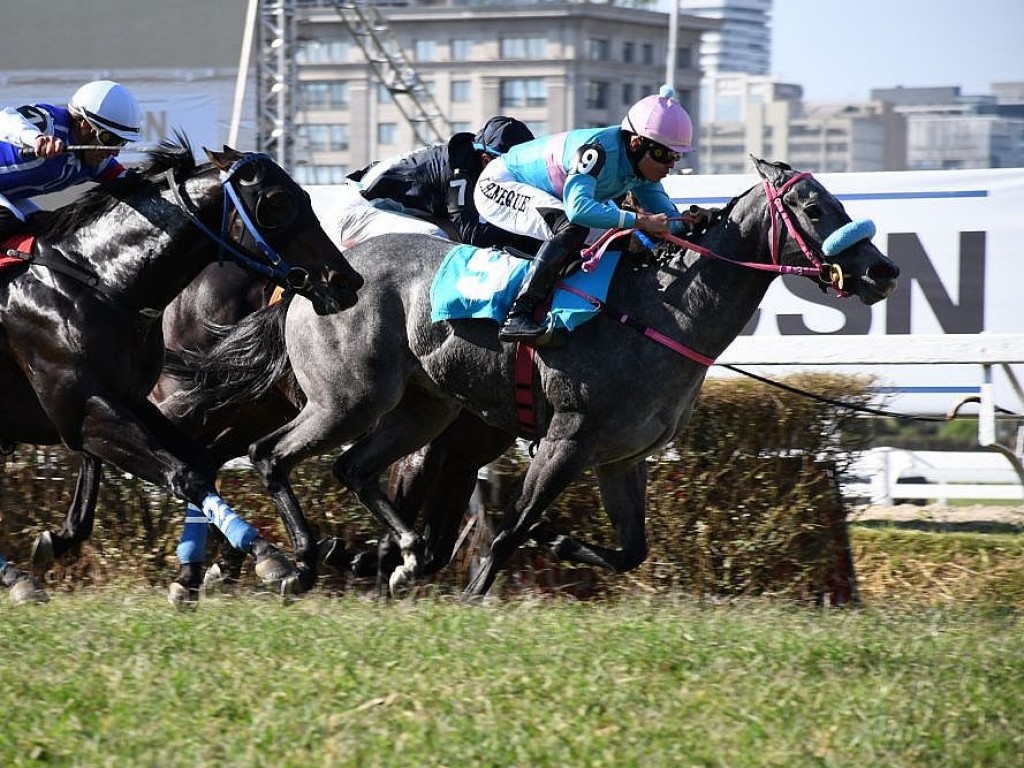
<point>275,267</point>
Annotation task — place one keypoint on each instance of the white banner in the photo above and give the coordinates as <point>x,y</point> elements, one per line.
<point>958,237</point>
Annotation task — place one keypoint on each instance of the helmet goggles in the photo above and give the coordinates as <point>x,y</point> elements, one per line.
<point>661,154</point>
<point>103,136</point>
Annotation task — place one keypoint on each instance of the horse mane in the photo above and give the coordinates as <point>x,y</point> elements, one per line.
<point>172,154</point>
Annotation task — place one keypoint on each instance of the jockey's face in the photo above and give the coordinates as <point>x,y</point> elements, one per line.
<point>650,168</point>
<point>87,134</point>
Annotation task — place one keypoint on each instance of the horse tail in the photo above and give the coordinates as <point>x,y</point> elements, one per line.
<point>242,366</point>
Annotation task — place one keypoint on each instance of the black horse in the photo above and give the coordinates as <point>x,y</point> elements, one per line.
<point>221,295</point>
<point>388,380</point>
<point>80,335</point>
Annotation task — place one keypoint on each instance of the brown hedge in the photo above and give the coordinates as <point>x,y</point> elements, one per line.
<point>740,503</point>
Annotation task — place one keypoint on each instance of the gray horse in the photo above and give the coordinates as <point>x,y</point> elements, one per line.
<point>385,378</point>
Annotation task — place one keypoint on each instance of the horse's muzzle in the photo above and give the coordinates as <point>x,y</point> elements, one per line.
<point>877,281</point>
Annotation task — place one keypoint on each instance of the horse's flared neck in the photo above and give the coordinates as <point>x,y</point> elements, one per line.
<point>148,251</point>
<point>711,298</point>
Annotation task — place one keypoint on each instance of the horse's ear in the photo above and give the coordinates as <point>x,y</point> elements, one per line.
<point>761,167</point>
<point>770,171</point>
<point>223,160</point>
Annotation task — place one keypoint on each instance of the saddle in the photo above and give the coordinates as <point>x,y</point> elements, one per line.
<point>481,283</point>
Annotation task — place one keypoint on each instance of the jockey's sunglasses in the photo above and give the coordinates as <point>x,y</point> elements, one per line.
<point>106,138</point>
<point>659,153</point>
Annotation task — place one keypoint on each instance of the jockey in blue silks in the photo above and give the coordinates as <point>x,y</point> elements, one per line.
<point>34,159</point>
<point>558,187</point>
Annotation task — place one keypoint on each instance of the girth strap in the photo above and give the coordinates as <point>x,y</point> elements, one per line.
<point>45,255</point>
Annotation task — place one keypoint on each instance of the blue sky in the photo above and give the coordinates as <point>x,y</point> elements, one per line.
<point>841,50</point>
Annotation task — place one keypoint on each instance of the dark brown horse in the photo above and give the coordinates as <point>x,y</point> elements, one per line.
<point>80,339</point>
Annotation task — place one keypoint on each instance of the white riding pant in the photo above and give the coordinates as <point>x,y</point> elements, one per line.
<point>514,206</point>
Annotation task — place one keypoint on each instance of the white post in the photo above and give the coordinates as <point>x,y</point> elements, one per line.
<point>673,34</point>
<point>881,493</point>
<point>987,410</point>
<point>243,72</point>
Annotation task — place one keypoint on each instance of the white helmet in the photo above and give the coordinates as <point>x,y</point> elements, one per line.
<point>108,106</point>
<point>661,119</point>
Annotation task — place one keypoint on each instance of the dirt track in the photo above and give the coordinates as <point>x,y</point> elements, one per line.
<point>1009,515</point>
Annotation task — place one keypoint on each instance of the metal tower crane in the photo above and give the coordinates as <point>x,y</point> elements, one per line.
<point>277,93</point>
<point>392,67</point>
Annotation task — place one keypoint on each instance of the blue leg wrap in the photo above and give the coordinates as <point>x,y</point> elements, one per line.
<point>238,532</point>
<point>3,563</point>
<point>192,547</point>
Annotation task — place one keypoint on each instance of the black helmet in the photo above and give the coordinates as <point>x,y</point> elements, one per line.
<point>500,134</point>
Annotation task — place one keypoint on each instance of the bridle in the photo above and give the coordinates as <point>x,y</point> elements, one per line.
<point>265,260</point>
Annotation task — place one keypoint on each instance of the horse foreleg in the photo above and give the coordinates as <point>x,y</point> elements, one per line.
<point>313,431</point>
<point>417,419</point>
<point>558,461</point>
<point>466,445</point>
<point>140,440</point>
<point>623,489</point>
<point>78,523</point>
<point>234,435</point>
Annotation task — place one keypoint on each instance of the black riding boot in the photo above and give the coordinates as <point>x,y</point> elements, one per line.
<point>540,279</point>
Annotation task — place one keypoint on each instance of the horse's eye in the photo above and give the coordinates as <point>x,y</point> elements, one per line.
<point>249,174</point>
<point>276,209</point>
<point>812,210</point>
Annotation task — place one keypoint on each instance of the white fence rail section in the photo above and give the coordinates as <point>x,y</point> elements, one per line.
<point>984,350</point>
<point>889,475</point>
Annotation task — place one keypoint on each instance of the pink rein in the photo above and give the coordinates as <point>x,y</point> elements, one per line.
<point>776,209</point>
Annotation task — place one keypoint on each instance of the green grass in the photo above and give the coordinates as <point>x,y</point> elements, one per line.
<point>117,678</point>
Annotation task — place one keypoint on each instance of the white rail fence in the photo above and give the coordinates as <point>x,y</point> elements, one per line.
<point>892,475</point>
<point>996,472</point>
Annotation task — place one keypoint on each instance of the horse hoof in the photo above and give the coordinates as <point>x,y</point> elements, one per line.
<point>42,550</point>
<point>291,588</point>
<point>181,597</point>
<point>26,591</point>
<point>215,582</point>
<point>273,567</point>
<point>401,582</point>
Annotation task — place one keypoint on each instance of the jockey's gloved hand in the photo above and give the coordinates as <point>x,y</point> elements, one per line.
<point>48,146</point>
<point>697,219</point>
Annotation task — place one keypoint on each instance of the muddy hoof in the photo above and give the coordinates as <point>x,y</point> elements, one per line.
<point>26,591</point>
<point>42,550</point>
<point>401,582</point>
<point>217,582</point>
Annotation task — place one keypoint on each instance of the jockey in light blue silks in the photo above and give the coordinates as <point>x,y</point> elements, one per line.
<point>558,187</point>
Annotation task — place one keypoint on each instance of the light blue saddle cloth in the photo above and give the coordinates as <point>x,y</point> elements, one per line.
<point>482,283</point>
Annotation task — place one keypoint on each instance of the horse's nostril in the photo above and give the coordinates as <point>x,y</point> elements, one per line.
<point>884,271</point>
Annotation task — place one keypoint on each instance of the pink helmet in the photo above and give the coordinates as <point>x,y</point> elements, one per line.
<point>662,119</point>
